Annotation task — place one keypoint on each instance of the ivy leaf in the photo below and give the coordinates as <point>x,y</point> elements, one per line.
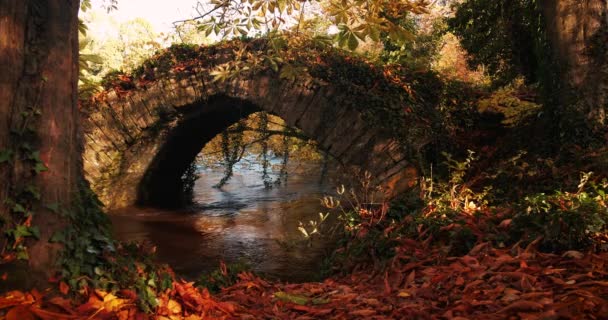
<point>33,191</point>
<point>40,167</point>
<point>54,207</point>
<point>18,208</point>
<point>35,231</point>
<point>58,236</point>
<point>6,155</point>
<point>22,231</point>
<point>35,155</point>
<point>353,43</point>
<point>23,255</point>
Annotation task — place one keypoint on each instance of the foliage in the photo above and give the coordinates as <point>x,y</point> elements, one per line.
<point>506,37</point>
<point>487,283</point>
<point>454,195</point>
<point>91,259</point>
<point>188,181</point>
<point>225,276</point>
<point>355,20</point>
<point>264,137</point>
<point>23,197</point>
<point>422,50</point>
<point>232,151</point>
<point>117,80</point>
<point>565,220</point>
<point>87,84</point>
<point>515,102</point>
<point>451,63</point>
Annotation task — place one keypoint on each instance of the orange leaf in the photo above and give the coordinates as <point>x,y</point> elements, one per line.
<point>20,313</point>
<point>63,303</point>
<point>522,305</point>
<point>364,312</point>
<point>64,288</point>
<point>48,315</point>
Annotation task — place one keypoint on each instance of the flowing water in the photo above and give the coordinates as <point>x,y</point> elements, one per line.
<point>243,222</point>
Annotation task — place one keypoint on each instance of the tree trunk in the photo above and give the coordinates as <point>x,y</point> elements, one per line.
<point>38,90</point>
<point>578,34</point>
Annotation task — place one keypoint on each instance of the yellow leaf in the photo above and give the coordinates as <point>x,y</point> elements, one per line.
<point>112,303</point>
<point>174,307</point>
<point>404,294</point>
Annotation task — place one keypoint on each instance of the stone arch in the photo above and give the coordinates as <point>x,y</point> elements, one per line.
<point>137,135</point>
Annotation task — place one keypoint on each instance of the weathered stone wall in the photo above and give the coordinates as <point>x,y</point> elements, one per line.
<point>125,131</point>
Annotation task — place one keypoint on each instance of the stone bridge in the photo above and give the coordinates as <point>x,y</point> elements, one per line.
<point>143,131</point>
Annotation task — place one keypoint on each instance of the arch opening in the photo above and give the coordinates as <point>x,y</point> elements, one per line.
<point>169,179</point>
<point>162,184</point>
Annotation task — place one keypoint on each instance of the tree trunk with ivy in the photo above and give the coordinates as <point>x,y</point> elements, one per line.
<point>578,34</point>
<point>40,144</point>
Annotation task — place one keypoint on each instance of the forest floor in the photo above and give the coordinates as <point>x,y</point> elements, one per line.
<point>420,282</point>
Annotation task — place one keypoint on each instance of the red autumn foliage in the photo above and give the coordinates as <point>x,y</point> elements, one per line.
<point>419,283</point>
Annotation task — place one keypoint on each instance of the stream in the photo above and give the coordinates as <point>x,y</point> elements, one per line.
<point>243,222</point>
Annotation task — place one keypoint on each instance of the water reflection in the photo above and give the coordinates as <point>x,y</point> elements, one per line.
<point>242,222</point>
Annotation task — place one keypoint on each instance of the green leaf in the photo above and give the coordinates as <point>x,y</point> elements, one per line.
<point>6,155</point>
<point>353,43</point>
<point>35,231</point>
<point>98,271</point>
<point>283,296</point>
<point>40,167</point>
<point>54,207</point>
<point>18,208</point>
<point>22,231</point>
<point>57,237</point>
<point>33,191</point>
<point>35,155</point>
<point>23,255</point>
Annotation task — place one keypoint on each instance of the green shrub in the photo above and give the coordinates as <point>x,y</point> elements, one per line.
<point>225,276</point>
<point>564,220</point>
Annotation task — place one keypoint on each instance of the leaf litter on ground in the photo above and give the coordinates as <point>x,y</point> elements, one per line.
<point>420,283</point>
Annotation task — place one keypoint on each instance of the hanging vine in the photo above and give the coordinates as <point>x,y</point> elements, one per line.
<point>232,151</point>
<point>24,197</point>
<point>282,178</point>
<point>188,181</point>
<point>264,135</point>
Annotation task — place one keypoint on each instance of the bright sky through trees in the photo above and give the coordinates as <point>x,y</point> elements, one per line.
<point>159,13</point>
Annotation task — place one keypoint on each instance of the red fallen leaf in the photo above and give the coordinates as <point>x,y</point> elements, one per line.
<point>35,294</point>
<point>129,294</point>
<point>20,313</point>
<point>459,281</point>
<point>364,312</point>
<point>4,276</point>
<point>63,303</point>
<point>91,305</point>
<point>311,310</point>
<point>48,315</point>
<point>472,284</point>
<point>15,298</point>
<point>522,305</point>
<point>227,307</point>
<point>64,288</point>
<point>410,278</point>
<point>387,286</point>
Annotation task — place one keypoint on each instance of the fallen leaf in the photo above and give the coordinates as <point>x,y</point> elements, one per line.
<point>20,313</point>
<point>64,288</point>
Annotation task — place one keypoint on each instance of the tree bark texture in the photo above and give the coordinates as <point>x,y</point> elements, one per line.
<point>39,71</point>
<point>578,33</point>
